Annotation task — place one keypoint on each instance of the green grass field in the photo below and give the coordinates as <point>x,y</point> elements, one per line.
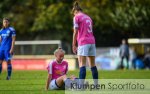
<point>33,82</point>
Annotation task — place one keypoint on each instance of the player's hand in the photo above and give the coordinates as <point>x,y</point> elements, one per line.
<point>72,77</point>
<point>46,88</point>
<point>11,51</point>
<point>74,49</point>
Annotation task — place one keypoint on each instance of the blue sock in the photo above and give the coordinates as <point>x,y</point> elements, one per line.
<point>95,74</point>
<point>9,69</point>
<point>0,68</point>
<point>82,73</point>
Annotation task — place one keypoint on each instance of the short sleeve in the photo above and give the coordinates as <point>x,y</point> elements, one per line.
<point>13,31</point>
<point>49,68</point>
<point>75,22</point>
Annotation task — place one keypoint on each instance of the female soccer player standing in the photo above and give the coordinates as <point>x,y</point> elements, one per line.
<point>83,34</point>
<point>7,41</point>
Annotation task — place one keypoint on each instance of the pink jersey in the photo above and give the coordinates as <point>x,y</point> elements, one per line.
<point>57,69</point>
<point>84,24</point>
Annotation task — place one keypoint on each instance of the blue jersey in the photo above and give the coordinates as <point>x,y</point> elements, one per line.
<point>6,35</point>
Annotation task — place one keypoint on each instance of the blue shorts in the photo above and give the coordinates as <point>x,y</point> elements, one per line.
<point>87,50</point>
<point>5,55</point>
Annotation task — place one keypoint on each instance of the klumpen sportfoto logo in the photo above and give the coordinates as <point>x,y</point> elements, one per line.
<point>110,85</point>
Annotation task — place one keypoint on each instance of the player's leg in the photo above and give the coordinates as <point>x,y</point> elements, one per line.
<point>9,69</point>
<point>1,60</point>
<point>1,66</point>
<point>61,80</point>
<point>127,58</point>
<point>82,53</point>
<point>8,58</point>
<point>82,65</point>
<point>121,63</point>
<point>65,82</point>
<point>91,59</point>
<point>94,70</point>
<point>58,83</point>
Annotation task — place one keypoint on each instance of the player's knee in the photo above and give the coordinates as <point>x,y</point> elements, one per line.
<point>1,61</point>
<point>8,62</point>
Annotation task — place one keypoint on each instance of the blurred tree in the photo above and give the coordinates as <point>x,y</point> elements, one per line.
<point>52,19</point>
<point>117,19</point>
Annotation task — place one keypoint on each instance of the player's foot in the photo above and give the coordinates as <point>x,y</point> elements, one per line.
<point>8,78</point>
<point>86,83</point>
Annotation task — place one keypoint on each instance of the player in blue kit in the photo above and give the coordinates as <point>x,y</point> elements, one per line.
<point>7,41</point>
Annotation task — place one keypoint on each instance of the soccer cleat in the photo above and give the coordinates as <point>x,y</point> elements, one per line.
<point>8,78</point>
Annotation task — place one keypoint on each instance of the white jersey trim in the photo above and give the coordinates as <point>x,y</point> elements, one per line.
<point>11,28</point>
<point>50,67</point>
<point>75,25</point>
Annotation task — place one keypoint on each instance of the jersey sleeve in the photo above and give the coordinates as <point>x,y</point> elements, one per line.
<point>13,31</point>
<point>49,68</point>
<point>75,22</point>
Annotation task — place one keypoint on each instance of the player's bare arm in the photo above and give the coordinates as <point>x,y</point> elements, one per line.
<point>12,45</point>
<point>48,81</point>
<point>74,47</point>
<point>0,39</point>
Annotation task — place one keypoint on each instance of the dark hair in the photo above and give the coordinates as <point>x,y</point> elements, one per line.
<point>76,7</point>
<point>5,18</point>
